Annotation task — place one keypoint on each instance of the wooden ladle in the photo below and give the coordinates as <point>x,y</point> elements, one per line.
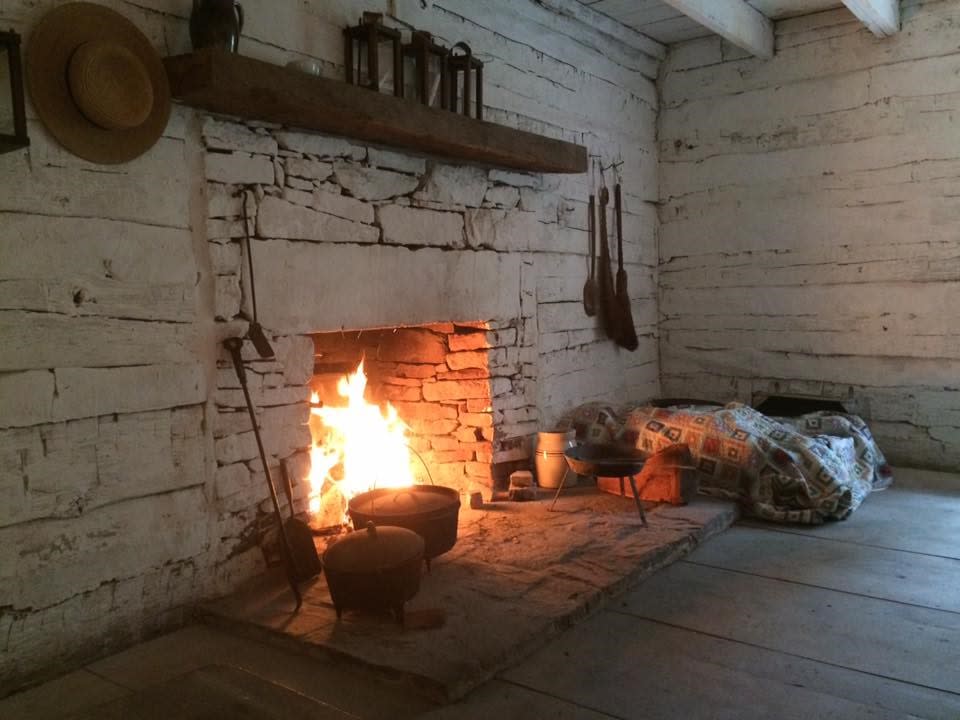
<point>590,286</point>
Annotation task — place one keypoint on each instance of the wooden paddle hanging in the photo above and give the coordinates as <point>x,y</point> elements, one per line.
<point>590,286</point>
<point>627,333</point>
<point>606,292</point>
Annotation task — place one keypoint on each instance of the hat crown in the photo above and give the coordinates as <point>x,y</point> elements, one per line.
<point>110,85</point>
<point>97,82</point>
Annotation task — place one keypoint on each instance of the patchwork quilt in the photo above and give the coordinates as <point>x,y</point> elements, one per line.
<point>809,469</point>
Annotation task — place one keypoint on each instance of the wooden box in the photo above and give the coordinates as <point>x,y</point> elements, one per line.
<point>668,476</point>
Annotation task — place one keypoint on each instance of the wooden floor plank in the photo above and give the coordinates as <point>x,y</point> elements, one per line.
<point>629,667</point>
<point>924,522</point>
<point>69,694</point>
<point>925,580</point>
<point>902,642</point>
<point>499,699</point>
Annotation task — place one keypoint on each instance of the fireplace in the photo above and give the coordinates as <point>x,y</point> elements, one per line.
<point>428,394</point>
<point>459,288</point>
<point>419,269</point>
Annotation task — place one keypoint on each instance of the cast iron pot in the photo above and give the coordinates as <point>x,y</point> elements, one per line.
<point>431,511</point>
<point>374,569</point>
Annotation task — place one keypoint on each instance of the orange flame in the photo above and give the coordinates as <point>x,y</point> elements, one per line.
<point>362,446</point>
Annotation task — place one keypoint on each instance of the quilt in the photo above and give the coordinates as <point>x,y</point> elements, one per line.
<point>807,470</point>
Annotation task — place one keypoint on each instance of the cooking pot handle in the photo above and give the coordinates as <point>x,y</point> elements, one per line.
<point>425,467</point>
<point>371,528</point>
<point>422,462</point>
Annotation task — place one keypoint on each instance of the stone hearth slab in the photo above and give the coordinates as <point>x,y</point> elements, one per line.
<point>518,575</point>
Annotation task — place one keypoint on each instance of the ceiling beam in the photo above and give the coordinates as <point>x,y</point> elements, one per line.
<point>881,16</point>
<point>731,19</point>
<point>615,29</point>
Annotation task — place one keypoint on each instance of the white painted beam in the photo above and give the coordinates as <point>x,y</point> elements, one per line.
<point>881,16</point>
<point>731,19</point>
<point>617,30</point>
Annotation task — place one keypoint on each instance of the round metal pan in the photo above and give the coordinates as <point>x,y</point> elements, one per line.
<point>604,460</point>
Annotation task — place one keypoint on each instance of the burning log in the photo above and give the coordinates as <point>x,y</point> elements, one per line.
<point>357,446</point>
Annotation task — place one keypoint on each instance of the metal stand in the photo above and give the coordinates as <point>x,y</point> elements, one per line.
<point>636,498</point>
<point>563,481</point>
<point>633,486</point>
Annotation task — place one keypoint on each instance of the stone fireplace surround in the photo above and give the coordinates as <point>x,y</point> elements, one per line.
<point>424,268</point>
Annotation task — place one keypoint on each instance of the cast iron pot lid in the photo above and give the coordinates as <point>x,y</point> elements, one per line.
<point>374,549</point>
<point>416,500</point>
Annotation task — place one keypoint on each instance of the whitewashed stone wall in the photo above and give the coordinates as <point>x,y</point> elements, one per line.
<point>809,223</point>
<point>127,479</point>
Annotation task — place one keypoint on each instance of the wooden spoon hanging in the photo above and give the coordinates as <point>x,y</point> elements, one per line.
<point>590,286</point>
<point>607,293</point>
<point>627,335</point>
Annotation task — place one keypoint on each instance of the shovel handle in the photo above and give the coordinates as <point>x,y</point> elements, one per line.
<point>234,346</point>
<point>287,486</point>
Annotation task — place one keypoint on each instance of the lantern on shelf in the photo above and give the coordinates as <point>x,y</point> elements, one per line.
<point>13,119</point>
<point>466,80</point>
<point>427,61</point>
<point>362,53</point>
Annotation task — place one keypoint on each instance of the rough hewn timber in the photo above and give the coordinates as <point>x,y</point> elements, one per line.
<point>809,217</point>
<point>235,85</point>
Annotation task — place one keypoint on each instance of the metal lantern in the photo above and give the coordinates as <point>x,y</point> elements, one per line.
<point>460,68</point>
<point>362,43</point>
<point>13,119</point>
<point>429,71</point>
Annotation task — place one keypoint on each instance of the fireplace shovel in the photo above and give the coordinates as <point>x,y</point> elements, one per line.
<point>305,559</point>
<point>234,346</point>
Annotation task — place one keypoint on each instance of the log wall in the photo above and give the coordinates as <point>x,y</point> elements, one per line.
<point>128,487</point>
<point>809,213</point>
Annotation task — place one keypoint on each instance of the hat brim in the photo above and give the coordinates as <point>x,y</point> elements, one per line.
<point>51,46</point>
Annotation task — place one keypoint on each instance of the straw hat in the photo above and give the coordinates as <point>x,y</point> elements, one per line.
<point>97,83</point>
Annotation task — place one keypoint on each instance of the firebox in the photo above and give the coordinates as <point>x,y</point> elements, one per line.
<point>399,406</point>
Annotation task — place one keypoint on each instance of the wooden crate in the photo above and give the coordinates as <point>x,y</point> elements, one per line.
<point>668,476</point>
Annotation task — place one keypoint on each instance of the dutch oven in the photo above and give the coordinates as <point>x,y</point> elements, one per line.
<point>377,568</point>
<point>431,511</point>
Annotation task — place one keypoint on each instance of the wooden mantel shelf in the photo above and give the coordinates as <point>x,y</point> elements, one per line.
<point>231,84</point>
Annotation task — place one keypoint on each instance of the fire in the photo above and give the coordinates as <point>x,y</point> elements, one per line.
<point>361,446</point>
